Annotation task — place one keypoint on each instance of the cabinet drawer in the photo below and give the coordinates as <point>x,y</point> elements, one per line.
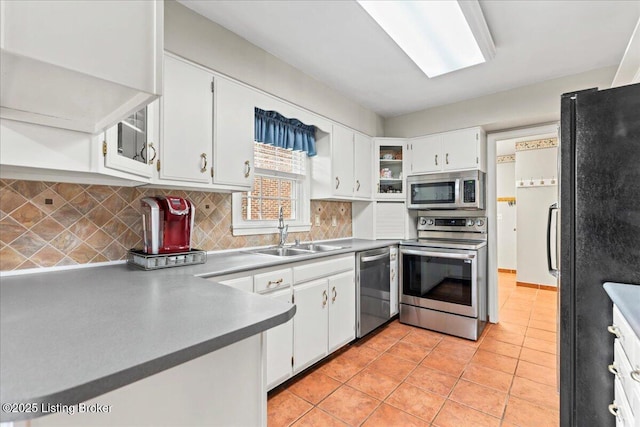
<point>629,341</point>
<point>623,367</point>
<point>621,408</point>
<point>272,280</point>
<point>304,273</point>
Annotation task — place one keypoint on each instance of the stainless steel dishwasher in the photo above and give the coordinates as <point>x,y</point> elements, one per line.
<point>373,289</point>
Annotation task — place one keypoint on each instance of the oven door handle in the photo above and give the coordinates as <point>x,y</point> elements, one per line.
<point>438,254</point>
<point>374,257</point>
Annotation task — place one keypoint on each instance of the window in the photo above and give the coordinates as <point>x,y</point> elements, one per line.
<point>279,181</point>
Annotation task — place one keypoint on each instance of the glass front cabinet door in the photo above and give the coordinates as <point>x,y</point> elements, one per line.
<point>391,158</point>
<point>130,146</point>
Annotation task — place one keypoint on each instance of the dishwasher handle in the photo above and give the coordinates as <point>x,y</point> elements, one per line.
<point>373,258</point>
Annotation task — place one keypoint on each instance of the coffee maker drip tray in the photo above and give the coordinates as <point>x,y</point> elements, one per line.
<point>140,259</point>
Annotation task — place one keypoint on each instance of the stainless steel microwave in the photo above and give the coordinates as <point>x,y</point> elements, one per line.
<point>451,190</point>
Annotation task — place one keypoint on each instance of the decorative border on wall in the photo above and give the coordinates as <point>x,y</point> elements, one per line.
<point>509,158</point>
<point>537,144</point>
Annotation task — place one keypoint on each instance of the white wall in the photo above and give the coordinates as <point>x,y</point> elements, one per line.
<point>520,107</point>
<point>506,218</point>
<point>533,204</point>
<point>200,40</point>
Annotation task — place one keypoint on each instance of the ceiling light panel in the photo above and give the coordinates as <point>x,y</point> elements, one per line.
<point>434,34</point>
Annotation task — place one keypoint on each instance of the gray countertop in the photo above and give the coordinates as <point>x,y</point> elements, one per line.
<point>68,336</point>
<point>627,298</point>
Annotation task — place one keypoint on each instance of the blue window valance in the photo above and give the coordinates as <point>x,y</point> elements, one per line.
<point>273,128</point>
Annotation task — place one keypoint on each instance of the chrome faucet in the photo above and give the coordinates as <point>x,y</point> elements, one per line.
<point>283,229</point>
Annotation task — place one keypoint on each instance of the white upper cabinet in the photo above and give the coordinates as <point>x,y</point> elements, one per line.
<point>342,167</point>
<point>362,166</point>
<point>462,149</point>
<point>342,161</point>
<point>208,124</point>
<point>234,113</point>
<point>392,163</point>
<point>187,112</point>
<point>79,65</point>
<point>426,154</point>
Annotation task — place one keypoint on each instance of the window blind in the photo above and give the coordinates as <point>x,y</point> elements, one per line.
<point>273,158</point>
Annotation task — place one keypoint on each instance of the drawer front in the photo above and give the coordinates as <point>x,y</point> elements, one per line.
<point>272,280</point>
<point>621,408</point>
<point>630,387</point>
<point>316,270</point>
<point>625,335</point>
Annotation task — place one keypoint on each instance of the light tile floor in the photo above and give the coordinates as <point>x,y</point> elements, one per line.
<point>406,376</point>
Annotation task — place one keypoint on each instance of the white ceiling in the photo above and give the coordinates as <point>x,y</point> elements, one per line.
<point>337,43</point>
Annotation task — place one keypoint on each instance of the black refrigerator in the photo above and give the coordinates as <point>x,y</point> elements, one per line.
<point>599,240</point>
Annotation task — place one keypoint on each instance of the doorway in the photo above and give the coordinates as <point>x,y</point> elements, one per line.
<point>532,174</point>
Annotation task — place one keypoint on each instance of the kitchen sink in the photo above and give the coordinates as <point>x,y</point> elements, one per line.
<point>282,251</point>
<point>315,247</point>
<point>303,249</point>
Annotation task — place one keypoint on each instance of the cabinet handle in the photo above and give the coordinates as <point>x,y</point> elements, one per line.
<point>337,182</point>
<point>436,160</point>
<point>325,298</point>
<point>614,330</point>
<point>613,408</point>
<point>393,274</point>
<point>335,294</point>
<point>275,282</point>
<point>446,158</point>
<point>154,153</point>
<point>636,375</point>
<point>203,156</point>
<point>247,168</point>
<point>358,185</point>
<point>612,368</point>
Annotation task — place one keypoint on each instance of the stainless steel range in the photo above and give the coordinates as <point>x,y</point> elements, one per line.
<point>443,275</point>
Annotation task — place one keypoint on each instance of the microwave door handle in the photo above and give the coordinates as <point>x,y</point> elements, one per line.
<point>552,271</point>
<point>438,254</point>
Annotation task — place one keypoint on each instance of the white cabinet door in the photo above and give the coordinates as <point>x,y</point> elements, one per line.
<point>79,65</point>
<point>460,149</point>
<point>233,134</point>
<point>363,166</point>
<point>426,155</point>
<point>185,152</point>
<point>342,161</point>
<point>131,145</point>
<point>342,309</point>
<point>310,328</point>
<point>279,345</point>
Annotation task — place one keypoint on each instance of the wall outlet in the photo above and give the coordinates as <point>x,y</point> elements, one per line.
<point>334,221</point>
<point>317,219</point>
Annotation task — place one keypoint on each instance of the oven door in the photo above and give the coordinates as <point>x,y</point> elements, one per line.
<point>440,279</point>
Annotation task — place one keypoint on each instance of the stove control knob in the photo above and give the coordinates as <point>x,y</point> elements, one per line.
<point>470,223</point>
<point>423,221</point>
<point>480,222</point>
<point>430,222</point>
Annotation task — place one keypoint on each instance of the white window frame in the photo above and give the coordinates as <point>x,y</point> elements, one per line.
<point>302,223</point>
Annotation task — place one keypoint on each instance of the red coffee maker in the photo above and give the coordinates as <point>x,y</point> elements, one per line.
<point>167,224</point>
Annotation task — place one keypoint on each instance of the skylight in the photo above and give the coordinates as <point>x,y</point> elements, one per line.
<point>436,35</point>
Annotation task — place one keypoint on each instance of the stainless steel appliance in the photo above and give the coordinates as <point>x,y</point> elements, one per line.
<point>443,276</point>
<point>452,190</point>
<point>373,289</point>
<point>599,241</point>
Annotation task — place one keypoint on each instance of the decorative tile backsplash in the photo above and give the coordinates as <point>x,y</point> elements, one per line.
<point>45,224</point>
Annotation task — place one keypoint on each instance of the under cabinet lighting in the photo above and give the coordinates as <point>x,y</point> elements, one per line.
<point>439,36</point>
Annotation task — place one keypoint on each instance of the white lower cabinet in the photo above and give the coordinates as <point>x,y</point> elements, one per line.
<point>342,309</point>
<point>324,292</point>
<point>310,326</point>
<point>279,345</point>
